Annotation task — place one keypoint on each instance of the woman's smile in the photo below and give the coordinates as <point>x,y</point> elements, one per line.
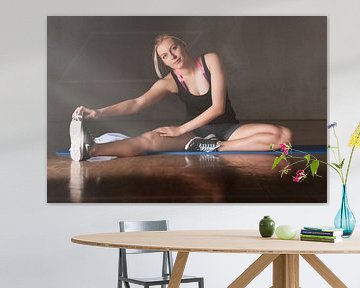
<point>177,61</point>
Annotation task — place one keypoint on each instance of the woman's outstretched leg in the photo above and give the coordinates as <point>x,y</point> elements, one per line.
<point>256,137</point>
<point>83,146</point>
<point>139,145</point>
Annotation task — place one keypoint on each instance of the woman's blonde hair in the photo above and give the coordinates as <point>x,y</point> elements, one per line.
<point>160,68</point>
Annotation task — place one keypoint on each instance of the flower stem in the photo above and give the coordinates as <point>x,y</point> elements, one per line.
<point>322,162</point>
<point>333,152</point>
<point>348,166</point>
<point>313,157</point>
<point>337,144</point>
<point>339,157</point>
<point>299,151</point>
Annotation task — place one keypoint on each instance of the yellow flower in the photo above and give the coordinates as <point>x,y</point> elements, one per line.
<point>355,138</point>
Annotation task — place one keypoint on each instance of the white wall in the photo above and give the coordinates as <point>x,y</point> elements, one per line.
<point>35,248</point>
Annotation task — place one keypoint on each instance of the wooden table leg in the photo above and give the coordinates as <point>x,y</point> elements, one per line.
<point>178,269</point>
<point>253,270</point>
<point>323,270</point>
<point>279,271</point>
<point>293,261</point>
<point>286,271</point>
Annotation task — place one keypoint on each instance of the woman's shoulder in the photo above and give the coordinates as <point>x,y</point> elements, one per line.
<point>211,55</point>
<point>167,83</point>
<point>212,59</point>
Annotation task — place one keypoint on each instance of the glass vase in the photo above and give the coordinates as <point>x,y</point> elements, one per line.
<point>345,219</point>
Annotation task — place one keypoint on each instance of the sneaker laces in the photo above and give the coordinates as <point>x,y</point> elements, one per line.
<point>77,117</point>
<point>207,147</point>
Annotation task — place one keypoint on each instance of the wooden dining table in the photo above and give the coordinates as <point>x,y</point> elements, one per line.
<point>283,254</point>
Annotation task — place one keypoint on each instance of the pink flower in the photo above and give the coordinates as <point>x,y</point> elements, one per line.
<point>284,148</point>
<point>299,176</point>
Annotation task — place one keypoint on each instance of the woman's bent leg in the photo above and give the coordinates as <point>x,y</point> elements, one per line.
<point>256,137</point>
<point>148,142</point>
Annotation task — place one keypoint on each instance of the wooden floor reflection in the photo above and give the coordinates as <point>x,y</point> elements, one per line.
<point>179,179</point>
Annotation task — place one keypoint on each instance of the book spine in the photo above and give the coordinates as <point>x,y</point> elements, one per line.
<point>319,236</point>
<point>320,233</point>
<point>318,239</point>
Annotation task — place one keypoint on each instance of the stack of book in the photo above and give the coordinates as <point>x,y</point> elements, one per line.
<point>321,234</point>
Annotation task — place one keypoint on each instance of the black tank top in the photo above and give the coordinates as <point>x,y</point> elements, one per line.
<point>195,105</point>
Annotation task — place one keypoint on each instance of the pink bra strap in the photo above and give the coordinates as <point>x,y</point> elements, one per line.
<point>201,67</point>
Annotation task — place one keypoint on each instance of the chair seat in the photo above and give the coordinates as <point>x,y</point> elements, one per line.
<point>158,280</point>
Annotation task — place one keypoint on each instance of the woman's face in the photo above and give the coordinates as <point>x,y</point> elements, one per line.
<point>171,53</point>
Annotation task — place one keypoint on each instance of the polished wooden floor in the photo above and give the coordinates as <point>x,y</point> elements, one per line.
<point>236,178</point>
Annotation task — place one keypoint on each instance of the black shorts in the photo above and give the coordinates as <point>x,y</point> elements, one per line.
<point>222,131</point>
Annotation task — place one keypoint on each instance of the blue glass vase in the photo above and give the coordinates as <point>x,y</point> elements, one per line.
<point>345,219</point>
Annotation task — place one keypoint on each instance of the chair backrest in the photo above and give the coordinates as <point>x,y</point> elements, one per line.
<point>134,226</point>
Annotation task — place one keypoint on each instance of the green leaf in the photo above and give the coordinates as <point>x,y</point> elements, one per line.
<point>336,165</point>
<point>339,166</point>
<point>314,166</point>
<point>342,163</point>
<point>307,157</point>
<point>276,162</point>
<point>283,157</point>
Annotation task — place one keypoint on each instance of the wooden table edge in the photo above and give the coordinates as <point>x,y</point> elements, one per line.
<point>206,250</point>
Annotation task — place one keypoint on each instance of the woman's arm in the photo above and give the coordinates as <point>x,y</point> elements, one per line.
<point>158,90</point>
<point>218,94</point>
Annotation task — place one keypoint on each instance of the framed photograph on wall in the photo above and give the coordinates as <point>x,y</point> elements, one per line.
<point>183,109</point>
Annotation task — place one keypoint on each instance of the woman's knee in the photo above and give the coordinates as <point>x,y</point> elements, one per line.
<point>286,135</point>
<point>281,134</point>
<point>151,140</point>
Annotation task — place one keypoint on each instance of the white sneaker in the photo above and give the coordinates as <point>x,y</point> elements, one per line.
<point>80,139</point>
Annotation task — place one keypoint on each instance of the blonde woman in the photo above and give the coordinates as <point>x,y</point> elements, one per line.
<point>200,83</point>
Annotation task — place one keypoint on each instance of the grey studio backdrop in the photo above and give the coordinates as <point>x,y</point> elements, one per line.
<point>276,70</point>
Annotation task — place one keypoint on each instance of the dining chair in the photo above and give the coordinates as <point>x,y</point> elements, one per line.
<point>167,260</point>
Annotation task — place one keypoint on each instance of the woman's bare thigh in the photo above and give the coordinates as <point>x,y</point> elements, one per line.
<point>165,143</point>
<point>248,130</point>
